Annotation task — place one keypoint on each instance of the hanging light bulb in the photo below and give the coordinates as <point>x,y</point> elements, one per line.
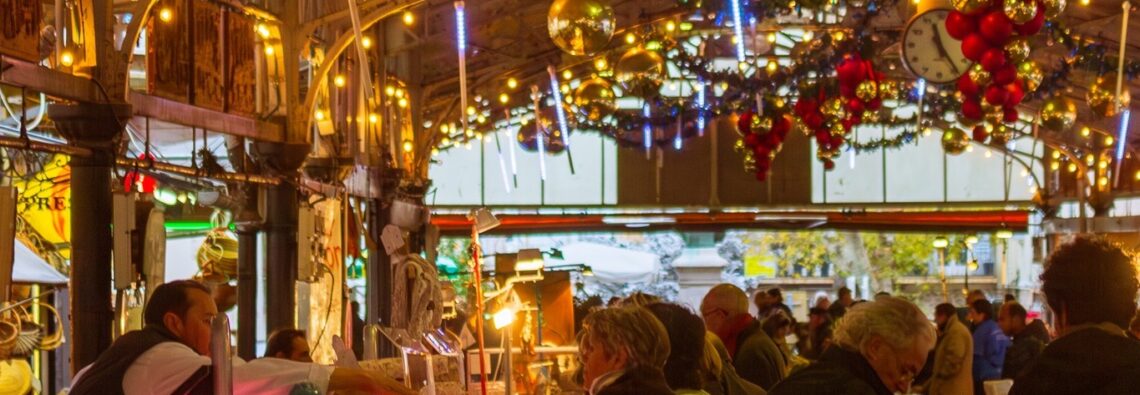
<point>1072,168</point>
<point>600,64</point>
<point>319,115</point>
<point>504,98</point>
<point>262,30</point>
<point>670,26</point>
<point>512,83</point>
<point>165,14</point>
<point>373,118</point>
<point>566,74</point>
<point>771,37</point>
<point>339,81</point>
<point>269,51</point>
<point>366,42</point>
<point>409,18</point>
<point>630,38</point>
<point>408,146</point>
<point>403,102</point>
<point>1085,131</point>
<point>66,58</point>
<point>470,110</point>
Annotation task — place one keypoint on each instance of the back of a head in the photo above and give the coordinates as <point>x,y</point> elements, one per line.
<point>640,299</point>
<point>171,297</point>
<point>896,321</point>
<point>778,320</point>
<point>975,295</point>
<point>776,294</point>
<point>686,344</point>
<point>945,310</point>
<point>982,306</point>
<point>728,297</point>
<point>843,292</point>
<point>1015,310</point>
<point>1089,281</point>
<point>632,329</point>
<point>281,341</point>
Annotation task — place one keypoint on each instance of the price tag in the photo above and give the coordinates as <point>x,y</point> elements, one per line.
<point>392,238</point>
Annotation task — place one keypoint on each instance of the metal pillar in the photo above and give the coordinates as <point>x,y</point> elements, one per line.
<point>247,289</point>
<point>92,126</point>
<point>281,204</point>
<point>379,280</point>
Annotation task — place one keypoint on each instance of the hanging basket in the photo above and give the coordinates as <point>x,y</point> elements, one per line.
<point>218,256</point>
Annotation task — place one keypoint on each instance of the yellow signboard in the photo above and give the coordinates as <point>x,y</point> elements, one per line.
<point>45,203</point>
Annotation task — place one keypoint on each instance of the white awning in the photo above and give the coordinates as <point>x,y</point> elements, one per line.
<point>613,264</point>
<point>30,268</point>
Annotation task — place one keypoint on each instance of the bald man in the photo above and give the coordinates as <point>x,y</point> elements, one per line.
<point>754,354</point>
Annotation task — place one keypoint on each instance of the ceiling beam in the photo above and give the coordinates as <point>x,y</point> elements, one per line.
<point>214,121</point>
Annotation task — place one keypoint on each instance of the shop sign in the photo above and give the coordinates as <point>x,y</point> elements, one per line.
<point>168,52</point>
<point>20,28</point>
<point>208,64</point>
<point>44,203</point>
<point>241,81</point>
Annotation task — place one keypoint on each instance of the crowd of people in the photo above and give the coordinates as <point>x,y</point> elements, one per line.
<point>642,345</point>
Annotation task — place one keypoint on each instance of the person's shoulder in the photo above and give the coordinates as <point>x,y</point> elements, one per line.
<point>821,378</point>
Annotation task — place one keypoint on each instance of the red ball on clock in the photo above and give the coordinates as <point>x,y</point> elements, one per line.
<point>995,27</point>
<point>967,86</point>
<point>974,46</point>
<point>980,134</point>
<point>996,95</point>
<point>1034,25</point>
<point>1014,94</point>
<point>1010,115</point>
<point>960,25</point>
<point>993,59</point>
<point>972,109</point>
<point>1005,75</point>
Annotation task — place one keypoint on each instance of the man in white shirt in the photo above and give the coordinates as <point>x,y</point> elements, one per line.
<point>171,356</point>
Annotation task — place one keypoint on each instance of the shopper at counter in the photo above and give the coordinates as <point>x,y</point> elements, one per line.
<point>623,351</point>
<point>288,344</point>
<point>753,353</point>
<point>171,355</point>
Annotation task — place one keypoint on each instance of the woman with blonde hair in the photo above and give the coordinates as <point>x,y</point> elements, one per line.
<point>623,351</point>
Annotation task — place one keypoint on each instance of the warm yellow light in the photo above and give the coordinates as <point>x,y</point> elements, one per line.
<point>1055,165</point>
<point>566,74</point>
<point>565,89</point>
<point>971,240</point>
<point>742,65</point>
<point>772,66</point>
<point>670,26</point>
<point>504,317</point>
<point>400,93</point>
<point>838,36</point>
<point>1138,176</point>
<point>479,136</point>
<point>435,152</point>
<point>339,81</point>
<point>409,18</point>
<point>504,98</point>
<point>1003,234</point>
<point>366,42</point>
<point>469,133</point>
<point>988,153</point>
<point>808,35</point>
<point>481,119</point>
<point>1085,2</point>
<point>926,131</point>
<point>512,83</point>
<point>470,110</point>
<point>165,14</point>
<point>373,118</point>
<point>66,58</point>
<point>1024,173</point>
<point>269,51</point>
<point>940,242</point>
<point>403,102</point>
<point>771,37</point>
<point>1072,168</point>
<point>969,148</point>
<point>319,115</point>
<point>600,64</point>
<point>408,146</point>
<point>1089,159</point>
<point>467,145</point>
<point>1085,132</point>
<point>389,90</point>
<point>444,129</point>
<point>630,38</point>
<point>263,30</point>
<point>1102,165</point>
<point>1109,140</point>
<point>1103,181</point>
<point>1056,154</point>
<point>445,140</point>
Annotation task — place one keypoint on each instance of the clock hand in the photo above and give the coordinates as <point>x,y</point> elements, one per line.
<point>942,50</point>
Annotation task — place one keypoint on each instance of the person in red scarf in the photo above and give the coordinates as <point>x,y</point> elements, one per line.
<point>753,353</point>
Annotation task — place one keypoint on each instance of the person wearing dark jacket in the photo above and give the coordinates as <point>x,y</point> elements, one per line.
<point>754,354</point>
<point>879,347</point>
<point>623,351</point>
<point>1091,287</point>
<point>1025,347</point>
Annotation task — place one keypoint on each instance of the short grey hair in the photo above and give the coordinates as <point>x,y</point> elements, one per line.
<point>896,321</point>
<point>630,328</point>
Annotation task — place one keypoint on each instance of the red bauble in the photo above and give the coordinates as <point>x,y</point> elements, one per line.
<point>972,109</point>
<point>980,134</point>
<point>828,164</point>
<point>967,86</point>
<point>804,107</point>
<point>1015,93</point>
<point>1034,25</point>
<point>744,123</point>
<point>974,46</point>
<point>822,136</point>
<point>875,104</point>
<point>1005,75</point>
<point>847,90</point>
<point>996,95</point>
<point>752,140</point>
<point>782,125</point>
<point>993,59</point>
<point>1010,115</point>
<point>813,121</point>
<point>850,71</point>
<point>851,121</point>
<point>854,105</point>
<point>995,27</point>
<point>761,174</point>
<point>773,140</point>
<point>960,25</point>
<point>837,141</point>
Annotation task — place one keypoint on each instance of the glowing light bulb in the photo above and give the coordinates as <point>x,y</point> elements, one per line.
<point>262,30</point>
<point>512,83</point>
<point>772,66</point>
<point>566,74</point>
<point>269,51</point>
<point>504,98</point>
<point>390,90</point>
<point>1102,165</point>
<point>809,35</point>
<point>969,148</point>
<point>165,14</point>
<point>1103,181</point>
<point>771,37</point>
<point>409,18</point>
<point>1072,168</point>
<point>630,38</point>
<point>670,26</point>
<point>1109,140</point>
<point>470,110</point>
<point>373,118</point>
<point>435,152</point>
<point>988,154</point>
<point>1085,132</point>
<point>408,146</point>
<point>403,102</point>
<point>319,115</point>
<point>1056,154</point>
<point>1085,2</point>
<point>1055,166</point>
<point>366,42</point>
<point>66,58</point>
<point>339,81</point>
<point>600,64</point>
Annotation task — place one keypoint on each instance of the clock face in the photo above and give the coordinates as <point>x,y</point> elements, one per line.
<point>928,50</point>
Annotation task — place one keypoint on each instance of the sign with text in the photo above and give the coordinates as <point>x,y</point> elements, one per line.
<point>20,22</point>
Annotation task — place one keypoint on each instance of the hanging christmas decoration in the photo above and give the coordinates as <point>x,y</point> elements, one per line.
<point>594,98</point>
<point>1058,113</point>
<point>762,137</point>
<point>1001,135</point>
<point>1103,101</point>
<point>955,141</point>
<point>640,72</point>
<point>581,27</point>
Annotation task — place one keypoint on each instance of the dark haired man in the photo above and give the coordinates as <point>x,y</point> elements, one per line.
<point>989,344</point>
<point>1091,287</point>
<point>288,344</point>
<point>843,300</point>
<point>171,355</point>
<point>1025,347</point>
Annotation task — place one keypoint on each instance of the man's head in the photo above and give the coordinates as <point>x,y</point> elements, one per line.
<point>976,294</point>
<point>1009,298</point>
<point>817,316</point>
<point>882,294</point>
<point>1011,318</point>
<point>980,311</point>
<point>892,335</point>
<point>844,297</point>
<point>288,344</point>
<point>620,338</point>
<point>1090,281</point>
<point>775,295</point>
<point>185,308</point>
<point>683,368</point>
<point>943,313</point>
<point>762,301</point>
<point>723,304</point>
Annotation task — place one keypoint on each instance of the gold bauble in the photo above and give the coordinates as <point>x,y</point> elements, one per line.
<point>1017,50</point>
<point>594,98</point>
<point>1053,8</point>
<point>1020,11</point>
<point>837,129</point>
<point>1058,113</point>
<point>1000,135</point>
<point>980,76</point>
<point>888,90</point>
<point>823,154</point>
<point>761,124</point>
<point>640,72</point>
<point>871,116</point>
<point>739,146</point>
<point>1101,99</point>
<point>971,6</point>
<point>581,27</point>
<point>955,141</point>
<point>834,107</point>
<point>995,117</point>
<point>867,90</point>
<point>1031,74</point>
